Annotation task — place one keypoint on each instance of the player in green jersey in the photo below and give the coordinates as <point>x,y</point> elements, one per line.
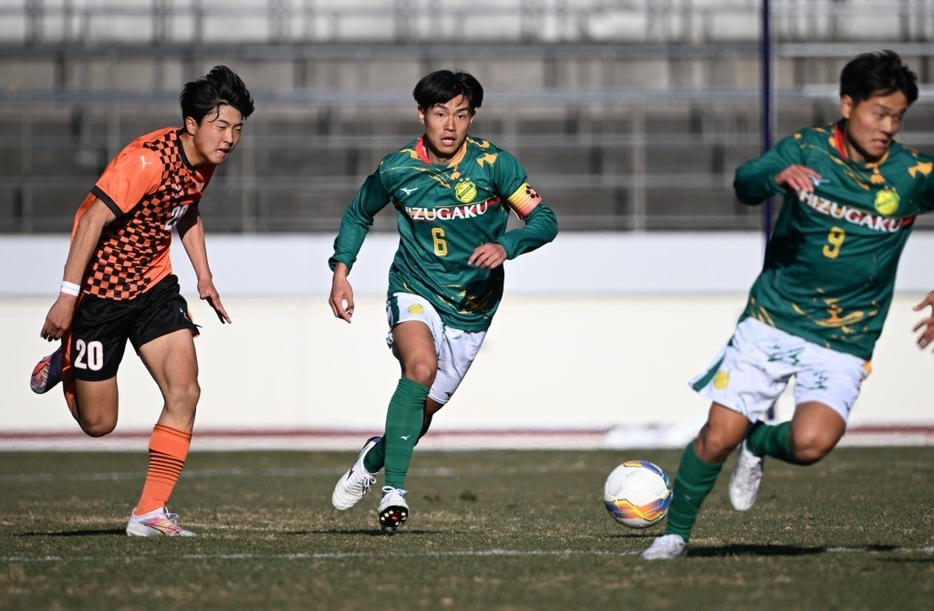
<point>850,197</point>
<point>453,195</point>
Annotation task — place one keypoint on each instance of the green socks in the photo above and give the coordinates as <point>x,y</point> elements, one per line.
<point>771,440</point>
<point>693,483</point>
<point>375,459</point>
<point>696,478</point>
<point>404,420</point>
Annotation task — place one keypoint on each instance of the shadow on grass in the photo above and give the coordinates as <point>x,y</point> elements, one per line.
<point>636,535</point>
<point>754,550</point>
<point>373,532</point>
<point>76,533</point>
<point>790,550</point>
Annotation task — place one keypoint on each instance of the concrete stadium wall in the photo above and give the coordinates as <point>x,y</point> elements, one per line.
<point>597,331</point>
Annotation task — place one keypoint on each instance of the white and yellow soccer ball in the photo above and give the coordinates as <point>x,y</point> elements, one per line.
<point>637,494</point>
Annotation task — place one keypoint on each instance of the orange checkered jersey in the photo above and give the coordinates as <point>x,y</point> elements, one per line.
<point>149,186</point>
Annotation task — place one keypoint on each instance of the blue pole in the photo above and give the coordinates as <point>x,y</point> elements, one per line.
<point>767,121</point>
<point>767,117</point>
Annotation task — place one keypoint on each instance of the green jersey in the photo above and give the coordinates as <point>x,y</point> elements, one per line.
<point>444,212</point>
<point>829,270</point>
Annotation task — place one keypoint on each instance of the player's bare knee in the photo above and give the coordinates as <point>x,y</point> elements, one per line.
<point>808,450</point>
<point>183,397</point>
<point>421,373</point>
<point>97,427</point>
<point>808,456</point>
<point>712,446</point>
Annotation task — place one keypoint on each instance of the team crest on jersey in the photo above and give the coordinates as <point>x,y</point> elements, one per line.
<point>886,202</point>
<point>465,191</point>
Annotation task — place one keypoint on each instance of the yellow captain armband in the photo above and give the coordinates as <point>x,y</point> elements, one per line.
<point>524,199</point>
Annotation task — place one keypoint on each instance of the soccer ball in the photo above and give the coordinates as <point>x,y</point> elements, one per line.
<point>637,493</point>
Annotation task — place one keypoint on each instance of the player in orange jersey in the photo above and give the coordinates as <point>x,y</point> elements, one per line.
<point>118,284</point>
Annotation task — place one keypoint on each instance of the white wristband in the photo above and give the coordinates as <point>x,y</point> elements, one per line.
<point>70,288</point>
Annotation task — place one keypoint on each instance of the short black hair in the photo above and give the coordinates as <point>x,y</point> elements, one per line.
<point>877,72</point>
<point>221,86</point>
<point>444,85</point>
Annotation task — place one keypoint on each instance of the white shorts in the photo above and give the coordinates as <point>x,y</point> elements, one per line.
<point>755,366</point>
<point>456,348</point>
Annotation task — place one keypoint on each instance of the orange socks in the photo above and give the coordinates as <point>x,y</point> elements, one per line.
<point>168,449</point>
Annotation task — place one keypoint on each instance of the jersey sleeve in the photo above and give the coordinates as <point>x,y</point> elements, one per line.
<point>132,174</point>
<point>540,221</point>
<point>541,227</point>
<point>357,220</point>
<point>512,184</point>
<point>922,170</point>
<point>754,180</point>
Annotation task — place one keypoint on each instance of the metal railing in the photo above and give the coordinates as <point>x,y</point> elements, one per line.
<point>89,22</point>
<point>610,151</point>
<point>605,160</point>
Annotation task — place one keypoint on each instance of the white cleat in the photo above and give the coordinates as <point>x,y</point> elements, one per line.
<point>665,547</point>
<point>745,479</point>
<point>393,510</point>
<point>353,485</point>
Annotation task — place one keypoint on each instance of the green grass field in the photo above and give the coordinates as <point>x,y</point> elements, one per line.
<point>488,530</point>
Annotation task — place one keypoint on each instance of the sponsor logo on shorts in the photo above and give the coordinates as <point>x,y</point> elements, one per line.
<point>721,380</point>
<point>790,355</point>
<point>416,308</point>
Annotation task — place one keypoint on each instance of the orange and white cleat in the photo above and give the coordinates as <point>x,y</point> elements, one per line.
<point>47,373</point>
<point>156,523</point>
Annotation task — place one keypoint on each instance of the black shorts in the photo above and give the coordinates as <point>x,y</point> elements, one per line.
<point>102,327</point>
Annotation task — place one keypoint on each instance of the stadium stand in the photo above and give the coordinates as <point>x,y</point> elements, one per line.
<point>628,115</point>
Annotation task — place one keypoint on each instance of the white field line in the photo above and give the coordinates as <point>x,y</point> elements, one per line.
<point>490,553</point>
<point>285,472</point>
<point>616,437</point>
<point>241,472</point>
